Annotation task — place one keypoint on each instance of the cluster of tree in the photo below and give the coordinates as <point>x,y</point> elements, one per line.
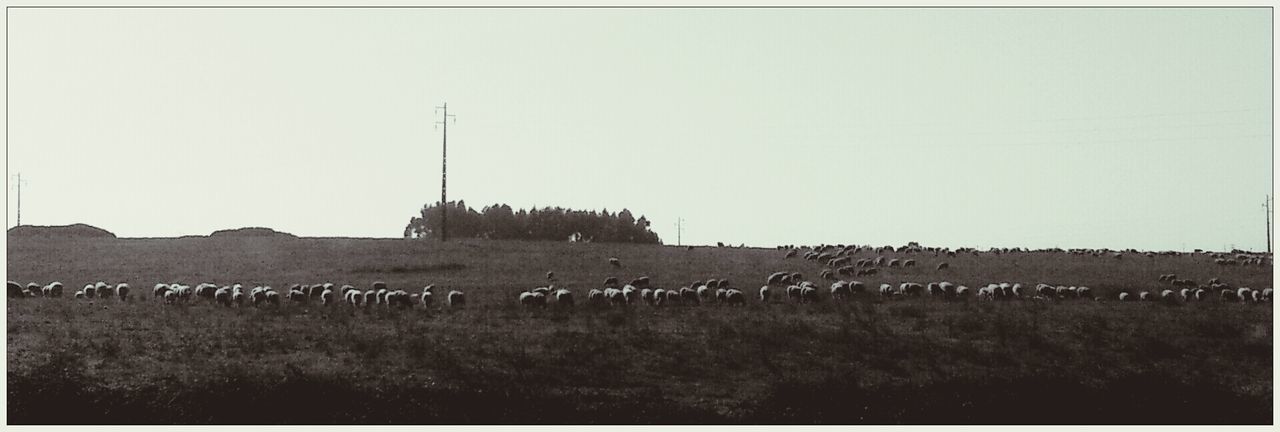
<point>499,221</point>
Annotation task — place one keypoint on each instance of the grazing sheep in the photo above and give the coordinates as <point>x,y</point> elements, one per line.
<point>1047,291</point>
<point>790,253</point>
<point>1243,293</point>
<point>734,297</point>
<point>909,263</point>
<point>764,294</point>
<point>89,291</point>
<point>943,266</point>
<point>987,292</point>
<point>297,296</point>
<point>273,297</point>
<point>551,275</point>
<point>614,262</point>
<point>1124,296</point>
<point>911,289</point>
<point>886,290</point>
<point>170,297</point>
<point>641,282</point>
<point>778,278</point>
<point>326,297</point>
<point>1228,295</point>
<point>531,299</point>
<point>595,297</point>
<point>963,291</point>
<point>564,297</point>
<point>353,297</point>
<point>720,294</point>
<point>611,281</point>
<point>1200,294</point>
<point>370,298</point>
<point>1266,295</point>
<point>659,296</point>
<point>704,293</point>
<point>1084,292</point>
<point>793,292</point>
<point>103,290</point>
<point>223,296</point>
<point>55,289</point>
<point>935,289</point>
<point>1146,296</point>
<point>894,262</point>
<point>1184,294</point>
<point>1255,295</point>
<point>79,294</point>
<point>33,290</point>
<point>647,296</point>
<point>673,296</point>
<point>689,295</point>
<point>629,294</point>
<point>808,294</point>
<point>456,298</point>
<point>16,290</point>
<point>427,297</point>
<point>840,290</point>
<point>1168,296</point>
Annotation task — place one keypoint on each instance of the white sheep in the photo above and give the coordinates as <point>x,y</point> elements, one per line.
<point>79,294</point>
<point>765,295</point>
<point>564,297</point>
<point>297,296</point>
<point>1124,296</point>
<point>159,290</point>
<point>370,298</point>
<point>614,296</point>
<point>629,294</point>
<point>1184,294</point>
<point>456,298</point>
<point>326,297</point>
<point>1045,290</point>
<point>273,297</point>
<point>1016,290</point>
<point>1200,294</point>
<point>426,299</point>
<point>734,297</point>
<point>840,290</point>
<point>223,296</point>
<point>531,299</point>
<point>170,296</point>
<point>1084,292</point>
<point>886,290</point>
<point>237,295</point>
<point>1243,293</point>
<point>963,291</point>
<point>1266,294</point>
<point>704,293</point>
<point>1145,296</point>
<point>809,294</point>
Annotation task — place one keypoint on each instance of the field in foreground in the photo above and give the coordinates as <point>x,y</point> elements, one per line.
<point>914,361</point>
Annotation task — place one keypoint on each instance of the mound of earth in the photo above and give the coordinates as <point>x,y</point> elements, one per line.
<point>251,232</point>
<point>60,231</point>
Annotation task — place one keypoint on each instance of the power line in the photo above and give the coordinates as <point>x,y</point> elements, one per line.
<point>444,169</point>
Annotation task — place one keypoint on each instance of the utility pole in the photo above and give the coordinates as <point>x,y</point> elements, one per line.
<point>679,230</point>
<point>1266,205</point>
<point>19,185</point>
<point>444,170</point>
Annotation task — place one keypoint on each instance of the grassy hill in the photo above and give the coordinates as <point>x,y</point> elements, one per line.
<point>913,361</point>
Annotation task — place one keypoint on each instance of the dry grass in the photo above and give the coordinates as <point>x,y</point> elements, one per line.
<point>494,362</point>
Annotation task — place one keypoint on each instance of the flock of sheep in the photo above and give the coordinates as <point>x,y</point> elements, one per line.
<point>778,285</point>
<point>258,296</point>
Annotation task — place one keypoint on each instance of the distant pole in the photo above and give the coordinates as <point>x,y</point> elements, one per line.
<point>680,229</point>
<point>19,199</point>
<point>1266,205</point>
<point>444,170</point>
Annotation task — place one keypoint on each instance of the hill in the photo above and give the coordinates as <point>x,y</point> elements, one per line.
<point>251,232</point>
<point>59,231</point>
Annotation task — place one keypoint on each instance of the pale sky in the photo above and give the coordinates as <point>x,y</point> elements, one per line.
<point>1144,128</point>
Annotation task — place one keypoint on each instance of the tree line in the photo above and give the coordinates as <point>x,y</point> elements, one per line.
<point>500,221</point>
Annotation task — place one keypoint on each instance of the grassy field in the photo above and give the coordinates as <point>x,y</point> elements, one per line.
<point>913,361</point>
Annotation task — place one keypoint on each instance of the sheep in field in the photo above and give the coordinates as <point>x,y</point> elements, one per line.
<point>456,298</point>
<point>564,297</point>
<point>223,296</point>
<point>764,293</point>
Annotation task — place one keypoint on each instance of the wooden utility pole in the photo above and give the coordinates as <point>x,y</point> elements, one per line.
<point>444,170</point>
<point>1266,206</point>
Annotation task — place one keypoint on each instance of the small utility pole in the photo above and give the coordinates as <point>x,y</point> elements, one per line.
<point>679,230</point>
<point>1266,206</point>
<point>444,170</point>
<point>19,185</point>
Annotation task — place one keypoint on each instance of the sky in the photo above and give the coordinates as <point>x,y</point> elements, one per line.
<point>1119,128</point>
